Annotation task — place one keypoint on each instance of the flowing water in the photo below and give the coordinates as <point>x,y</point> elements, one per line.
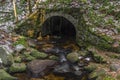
<point>45,45</point>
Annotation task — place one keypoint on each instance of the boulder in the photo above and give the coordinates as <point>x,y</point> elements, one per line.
<point>97,74</point>
<point>19,47</point>
<point>62,68</point>
<point>17,59</point>
<point>5,76</point>
<point>5,56</point>
<point>73,57</point>
<point>17,67</point>
<point>27,57</point>
<point>38,68</point>
<point>38,54</point>
<point>114,67</point>
<point>53,57</point>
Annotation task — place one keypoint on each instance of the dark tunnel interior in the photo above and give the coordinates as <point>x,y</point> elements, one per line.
<point>58,26</point>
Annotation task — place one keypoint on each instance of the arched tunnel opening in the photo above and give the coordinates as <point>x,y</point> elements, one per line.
<point>59,26</point>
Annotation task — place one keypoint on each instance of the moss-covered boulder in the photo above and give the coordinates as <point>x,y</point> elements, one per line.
<point>5,76</point>
<point>17,59</point>
<point>73,57</point>
<point>29,58</point>
<point>91,67</point>
<point>38,55</point>
<point>114,67</point>
<point>53,57</point>
<point>26,57</point>
<point>82,53</point>
<point>97,73</point>
<point>17,67</point>
<point>98,58</point>
<point>5,56</point>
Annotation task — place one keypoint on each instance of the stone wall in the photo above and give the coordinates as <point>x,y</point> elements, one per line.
<point>86,32</point>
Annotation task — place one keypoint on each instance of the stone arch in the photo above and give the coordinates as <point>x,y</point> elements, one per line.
<point>67,17</point>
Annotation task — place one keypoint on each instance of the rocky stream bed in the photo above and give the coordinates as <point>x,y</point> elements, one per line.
<point>54,58</point>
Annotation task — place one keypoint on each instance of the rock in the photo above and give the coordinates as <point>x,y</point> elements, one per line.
<point>8,47</point>
<point>114,67</point>
<point>97,73</point>
<point>17,67</point>
<point>5,76</point>
<point>91,67</point>
<point>38,54</point>
<point>5,56</point>
<point>31,43</point>
<point>73,57</point>
<point>19,47</point>
<point>78,73</point>
<point>37,68</point>
<point>17,59</point>
<point>82,53</point>
<point>76,68</point>
<point>27,56</point>
<point>98,58</point>
<point>63,68</point>
<point>57,50</point>
<point>53,57</point>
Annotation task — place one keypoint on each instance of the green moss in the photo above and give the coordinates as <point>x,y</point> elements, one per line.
<point>10,59</point>
<point>29,58</point>
<point>97,74</point>
<point>38,54</point>
<point>114,56</point>
<point>17,67</point>
<point>18,59</point>
<point>90,67</point>
<point>73,57</point>
<point>108,78</point>
<point>21,40</point>
<point>98,58</point>
<point>118,77</point>
<point>82,53</point>
<point>5,76</point>
<point>53,57</point>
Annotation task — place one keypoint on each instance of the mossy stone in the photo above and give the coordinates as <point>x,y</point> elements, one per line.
<point>98,58</point>
<point>53,57</point>
<point>73,57</point>
<point>5,76</point>
<point>17,67</point>
<point>91,67</point>
<point>82,53</point>
<point>97,73</point>
<point>38,54</point>
<point>30,58</point>
<point>18,59</point>
<point>5,56</point>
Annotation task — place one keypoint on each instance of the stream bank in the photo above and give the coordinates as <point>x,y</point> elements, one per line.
<point>70,61</point>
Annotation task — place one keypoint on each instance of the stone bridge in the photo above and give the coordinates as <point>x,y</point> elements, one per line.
<point>66,20</point>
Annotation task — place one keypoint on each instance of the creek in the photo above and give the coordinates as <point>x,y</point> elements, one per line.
<point>60,47</point>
